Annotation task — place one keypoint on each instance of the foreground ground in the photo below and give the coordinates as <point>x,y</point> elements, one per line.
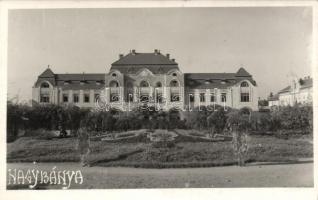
<point>142,153</point>
<point>288,175</point>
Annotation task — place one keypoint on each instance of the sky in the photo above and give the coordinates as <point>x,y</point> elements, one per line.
<point>274,44</point>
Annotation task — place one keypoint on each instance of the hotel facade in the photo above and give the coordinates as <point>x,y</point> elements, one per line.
<point>147,78</point>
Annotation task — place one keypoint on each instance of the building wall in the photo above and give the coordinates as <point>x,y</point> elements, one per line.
<point>130,84</point>
<point>302,96</point>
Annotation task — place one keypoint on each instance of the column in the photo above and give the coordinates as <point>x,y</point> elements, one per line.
<point>70,96</point>
<point>107,95</point>
<point>91,97</point>
<point>81,97</point>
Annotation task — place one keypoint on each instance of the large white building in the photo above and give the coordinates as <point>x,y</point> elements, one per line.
<point>151,78</point>
<point>300,91</point>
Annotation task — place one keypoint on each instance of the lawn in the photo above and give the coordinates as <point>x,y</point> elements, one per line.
<point>144,154</point>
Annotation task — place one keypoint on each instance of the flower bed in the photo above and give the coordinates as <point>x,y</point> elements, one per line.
<point>162,135</point>
<point>162,138</point>
<point>130,136</point>
<point>194,136</point>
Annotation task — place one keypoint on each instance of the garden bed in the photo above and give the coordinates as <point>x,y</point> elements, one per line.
<point>194,136</point>
<point>144,154</point>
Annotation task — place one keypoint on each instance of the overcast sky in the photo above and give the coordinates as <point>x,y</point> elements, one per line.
<point>270,43</point>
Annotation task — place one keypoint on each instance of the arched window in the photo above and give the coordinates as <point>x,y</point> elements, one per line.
<point>45,85</point>
<point>113,84</point>
<point>44,93</point>
<point>174,83</point>
<point>144,84</point>
<point>244,84</point>
<point>245,92</point>
<point>158,84</point>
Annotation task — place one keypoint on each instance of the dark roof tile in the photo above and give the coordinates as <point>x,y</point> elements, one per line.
<point>213,80</point>
<point>48,73</point>
<point>144,59</point>
<point>83,76</point>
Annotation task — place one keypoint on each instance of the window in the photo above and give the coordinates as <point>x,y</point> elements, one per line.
<point>174,83</point>
<point>45,85</point>
<point>130,98</point>
<point>114,97</point>
<point>223,82</point>
<point>223,97</point>
<point>212,97</point>
<point>86,98</point>
<point>174,74</point>
<point>158,84</point>
<point>44,98</point>
<point>75,98</point>
<point>245,93</point>
<point>144,84</point>
<point>114,75</point>
<point>175,97</point>
<point>159,98</point>
<point>96,96</point>
<point>65,98</point>
<point>245,97</point>
<point>202,97</point>
<point>191,97</point>
<point>244,84</point>
<point>113,84</point>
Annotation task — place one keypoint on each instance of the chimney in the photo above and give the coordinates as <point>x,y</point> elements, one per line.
<point>173,60</point>
<point>133,52</point>
<point>156,51</point>
<point>121,56</point>
<point>168,55</point>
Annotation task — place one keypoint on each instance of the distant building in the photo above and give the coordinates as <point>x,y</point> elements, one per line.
<point>300,91</point>
<point>151,78</point>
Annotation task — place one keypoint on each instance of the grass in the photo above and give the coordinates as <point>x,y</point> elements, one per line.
<point>143,154</point>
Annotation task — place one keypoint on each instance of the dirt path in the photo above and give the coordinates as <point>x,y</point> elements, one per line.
<point>289,175</point>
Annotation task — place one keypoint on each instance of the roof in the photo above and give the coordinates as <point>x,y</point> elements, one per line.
<point>82,76</point>
<point>307,82</point>
<point>133,62</point>
<point>145,59</point>
<point>286,89</point>
<point>77,85</point>
<point>242,72</point>
<point>135,69</point>
<point>48,73</point>
<point>73,81</point>
<point>216,80</point>
<point>275,97</point>
<point>304,83</point>
<point>80,81</point>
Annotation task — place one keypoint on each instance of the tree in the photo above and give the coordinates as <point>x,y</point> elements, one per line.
<point>216,121</point>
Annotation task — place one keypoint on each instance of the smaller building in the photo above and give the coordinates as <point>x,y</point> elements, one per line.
<point>300,91</point>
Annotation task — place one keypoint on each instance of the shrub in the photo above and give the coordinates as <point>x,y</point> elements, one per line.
<point>292,117</point>
<point>216,121</point>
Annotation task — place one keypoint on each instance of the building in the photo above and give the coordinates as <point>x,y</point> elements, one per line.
<point>147,78</point>
<point>300,91</point>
